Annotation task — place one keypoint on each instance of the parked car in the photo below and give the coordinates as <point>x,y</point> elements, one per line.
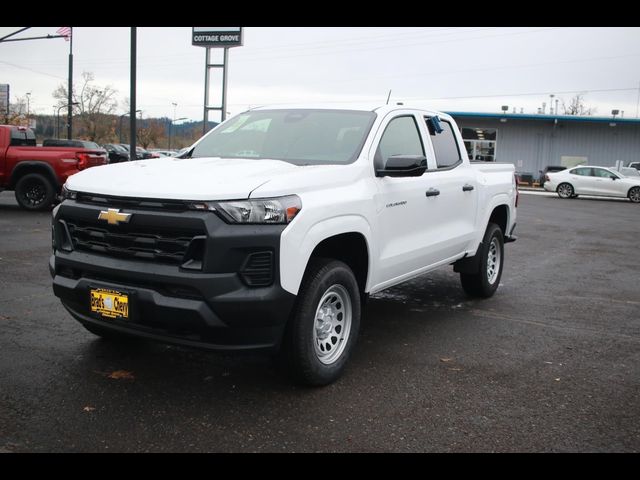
<point>630,172</point>
<point>141,153</point>
<point>549,169</point>
<point>276,230</point>
<point>635,165</point>
<point>592,180</point>
<point>117,153</point>
<point>36,174</point>
<point>164,153</point>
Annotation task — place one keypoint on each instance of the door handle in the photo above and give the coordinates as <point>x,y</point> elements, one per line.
<point>467,188</point>
<point>433,192</point>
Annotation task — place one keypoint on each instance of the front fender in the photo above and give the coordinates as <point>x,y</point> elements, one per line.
<point>298,242</point>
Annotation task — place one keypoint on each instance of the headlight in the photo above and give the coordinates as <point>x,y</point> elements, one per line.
<point>281,210</point>
<point>68,194</point>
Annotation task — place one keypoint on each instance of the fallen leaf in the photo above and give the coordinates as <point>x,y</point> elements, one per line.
<point>557,379</point>
<point>89,408</point>
<point>455,369</point>
<point>121,375</point>
<point>446,359</point>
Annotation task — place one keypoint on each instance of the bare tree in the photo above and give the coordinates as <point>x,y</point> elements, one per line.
<point>577,106</point>
<point>17,113</point>
<point>151,133</point>
<point>96,105</point>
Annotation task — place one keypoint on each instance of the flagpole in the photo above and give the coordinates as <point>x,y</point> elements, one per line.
<point>70,89</point>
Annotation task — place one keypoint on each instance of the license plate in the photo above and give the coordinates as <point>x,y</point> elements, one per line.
<point>109,303</point>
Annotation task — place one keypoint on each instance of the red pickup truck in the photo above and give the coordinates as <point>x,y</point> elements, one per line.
<point>37,174</point>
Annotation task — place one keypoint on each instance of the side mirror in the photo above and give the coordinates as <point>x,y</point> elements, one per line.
<point>403,166</point>
<point>613,177</point>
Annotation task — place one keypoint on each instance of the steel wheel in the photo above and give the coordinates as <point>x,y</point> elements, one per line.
<point>493,261</point>
<point>634,194</point>
<point>565,190</point>
<point>332,324</point>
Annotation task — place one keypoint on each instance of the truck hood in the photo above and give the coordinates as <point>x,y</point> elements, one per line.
<point>185,179</point>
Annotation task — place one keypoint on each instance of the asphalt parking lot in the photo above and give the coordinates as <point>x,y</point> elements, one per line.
<point>550,363</point>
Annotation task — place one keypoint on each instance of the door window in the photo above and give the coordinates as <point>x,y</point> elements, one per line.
<point>585,172</point>
<point>401,137</point>
<point>599,172</point>
<point>445,145</point>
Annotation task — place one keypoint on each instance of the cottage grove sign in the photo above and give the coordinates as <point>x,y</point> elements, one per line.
<point>216,36</point>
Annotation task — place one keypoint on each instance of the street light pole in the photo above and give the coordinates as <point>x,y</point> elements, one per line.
<point>58,118</point>
<point>121,116</point>
<point>171,128</point>
<point>70,87</point>
<point>28,98</point>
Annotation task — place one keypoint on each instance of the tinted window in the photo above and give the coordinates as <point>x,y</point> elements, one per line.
<point>401,137</point>
<point>23,137</point>
<point>585,172</point>
<point>601,172</point>
<point>298,136</point>
<point>445,145</point>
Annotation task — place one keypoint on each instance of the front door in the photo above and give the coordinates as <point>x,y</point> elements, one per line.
<point>404,217</point>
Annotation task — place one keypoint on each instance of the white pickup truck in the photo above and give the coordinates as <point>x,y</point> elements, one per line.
<point>272,230</point>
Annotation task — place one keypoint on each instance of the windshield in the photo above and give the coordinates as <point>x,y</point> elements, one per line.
<point>301,137</point>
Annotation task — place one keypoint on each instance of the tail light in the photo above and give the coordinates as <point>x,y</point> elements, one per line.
<point>517,191</point>
<point>83,160</point>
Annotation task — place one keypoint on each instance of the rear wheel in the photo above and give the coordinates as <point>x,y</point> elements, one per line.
<point>565,190</point>
<point>34,191</point>
<point>484,282</point>
<point>634,195</point>
<point>324,326</point>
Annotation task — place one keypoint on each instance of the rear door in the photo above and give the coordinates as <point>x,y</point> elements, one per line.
<point>453,208</point>
<point>583,181</point>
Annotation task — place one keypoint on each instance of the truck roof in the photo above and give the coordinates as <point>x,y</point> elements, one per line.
<point>364,107</point>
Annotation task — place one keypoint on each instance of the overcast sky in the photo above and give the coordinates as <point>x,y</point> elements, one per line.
<point>445,68</point>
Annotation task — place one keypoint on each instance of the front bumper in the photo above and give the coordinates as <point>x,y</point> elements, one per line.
<point>213,308</point>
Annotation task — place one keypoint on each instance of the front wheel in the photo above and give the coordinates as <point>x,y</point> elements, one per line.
<point>565,190</point>
<point>634,195</point>
<point>484,282</point>
<point>324,326</point>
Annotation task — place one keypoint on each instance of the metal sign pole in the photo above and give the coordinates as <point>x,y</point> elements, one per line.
<point>224,85</point>
<point>207,61</point>
<point>216,37</point>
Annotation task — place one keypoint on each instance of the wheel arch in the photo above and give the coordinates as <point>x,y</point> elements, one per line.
<point>345,238</point>
<point>27,167</point>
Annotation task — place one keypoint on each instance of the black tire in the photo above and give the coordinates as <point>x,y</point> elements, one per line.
<point>634,194</point>
<point>300,354</point>
<point>108,334</point>
<point>565,190</point>
<point>35,191</point>
<point>478,284</point>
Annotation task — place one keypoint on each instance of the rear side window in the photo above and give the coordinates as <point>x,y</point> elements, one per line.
<point>585,172</point>
<point>24,138</point>
<point>444,143</point>
<point>401,137</point>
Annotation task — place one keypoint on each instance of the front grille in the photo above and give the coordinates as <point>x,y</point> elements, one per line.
<point>149,245</point>
<point>137,203</point>
<point>258,269</point>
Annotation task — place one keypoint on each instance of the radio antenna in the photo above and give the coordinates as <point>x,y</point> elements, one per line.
<point>388,97</point>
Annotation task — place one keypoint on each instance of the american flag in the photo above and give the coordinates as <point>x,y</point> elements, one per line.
<point>66,31</point>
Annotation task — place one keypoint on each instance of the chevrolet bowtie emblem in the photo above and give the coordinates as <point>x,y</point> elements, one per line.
<point>114,217</point>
